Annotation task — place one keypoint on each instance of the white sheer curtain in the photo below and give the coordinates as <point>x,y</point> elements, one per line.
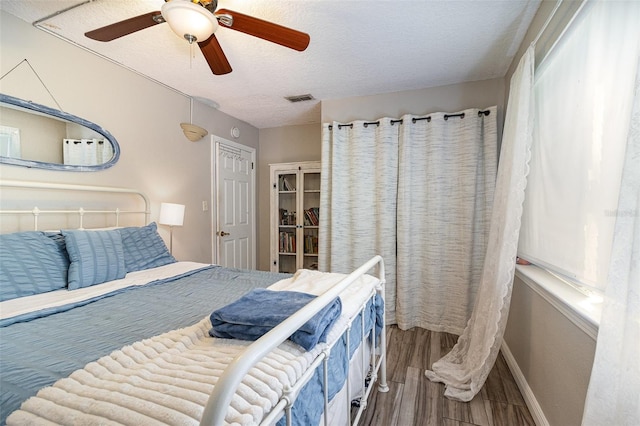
<point>465,368</point>
<point>583,104</point>
<point>613,397</point>
<point>446,182</point>
<point>358,199</point>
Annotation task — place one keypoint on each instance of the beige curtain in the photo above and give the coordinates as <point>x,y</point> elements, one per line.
<point>417,192</point>
<point>358,199</point>
<point>446,182</point>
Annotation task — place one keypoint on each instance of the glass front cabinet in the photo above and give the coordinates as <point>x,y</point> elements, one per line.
<point>295,214</point>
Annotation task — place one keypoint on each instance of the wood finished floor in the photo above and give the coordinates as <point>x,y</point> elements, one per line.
<point>414,400</point>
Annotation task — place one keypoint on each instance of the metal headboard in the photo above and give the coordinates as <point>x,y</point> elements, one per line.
<point>81,212</point>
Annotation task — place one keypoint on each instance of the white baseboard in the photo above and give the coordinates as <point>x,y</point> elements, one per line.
<point>527,393</point>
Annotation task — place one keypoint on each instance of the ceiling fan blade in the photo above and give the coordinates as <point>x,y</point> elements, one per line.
<point>214,55</point>
<point>265,30</point>
<point>123,28</point>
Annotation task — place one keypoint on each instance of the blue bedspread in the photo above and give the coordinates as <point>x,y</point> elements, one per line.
<point>37,353</point>
<point>259,311</point>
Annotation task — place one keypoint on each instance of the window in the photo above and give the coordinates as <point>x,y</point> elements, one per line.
<point>583,90</point>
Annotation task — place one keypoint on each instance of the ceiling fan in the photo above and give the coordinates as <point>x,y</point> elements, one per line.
<point>196,21</point>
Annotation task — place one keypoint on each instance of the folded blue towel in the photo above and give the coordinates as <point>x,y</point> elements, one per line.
<point>260,310</point>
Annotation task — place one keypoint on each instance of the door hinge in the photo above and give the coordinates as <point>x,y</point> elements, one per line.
<point>252,165</point>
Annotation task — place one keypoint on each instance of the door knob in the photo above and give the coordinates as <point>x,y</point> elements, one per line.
<point>223,234</point>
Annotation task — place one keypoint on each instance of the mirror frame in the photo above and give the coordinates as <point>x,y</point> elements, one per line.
<point>32,106</point>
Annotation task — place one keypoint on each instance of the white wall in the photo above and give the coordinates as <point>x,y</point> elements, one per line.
<point>142,115</point>
<point>451,98</point>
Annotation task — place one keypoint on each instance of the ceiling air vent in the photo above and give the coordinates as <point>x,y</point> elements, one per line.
<point>299,98</point>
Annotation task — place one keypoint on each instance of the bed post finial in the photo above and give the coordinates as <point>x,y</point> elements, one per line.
<point>81,213</point>
<point>36,213</point>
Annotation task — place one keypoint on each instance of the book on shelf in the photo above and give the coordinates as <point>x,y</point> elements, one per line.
<point>310,244</point>
<point>312,216</point>
<point>287,217</point>
<point>287,243</point>
<point>285,185</point>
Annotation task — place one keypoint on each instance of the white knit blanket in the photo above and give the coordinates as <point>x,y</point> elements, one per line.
<point>167,379</point>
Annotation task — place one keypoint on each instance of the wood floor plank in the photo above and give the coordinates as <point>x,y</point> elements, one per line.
<point>394,346</point>
<point>478,411</point>
<point>511,390</point>
<point>448,342</point>
<point>404,356</point>
<point>451,422</point>
<point>433,393</point>
<point>421,400</point>
<point>415,400</point>
<point>493,388</point>
<point>409,399</point>
<point>471,412</point>
<point>508,414</point>
<point>435,353</point>
<point>421,347</point>
<point>384,408</point>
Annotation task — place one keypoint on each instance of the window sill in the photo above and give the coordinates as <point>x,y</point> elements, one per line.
<point>582,310</point>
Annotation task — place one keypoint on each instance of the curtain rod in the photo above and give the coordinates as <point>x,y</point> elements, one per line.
<point>413,120</point>
<point>547,22</point>
<point>543,52</point>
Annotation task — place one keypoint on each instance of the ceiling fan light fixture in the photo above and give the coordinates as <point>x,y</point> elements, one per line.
<point>189,20</point>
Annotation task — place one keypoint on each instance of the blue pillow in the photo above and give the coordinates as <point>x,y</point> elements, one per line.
<point>31,262</point>
<point>96,257</point>
<point>144,248</point>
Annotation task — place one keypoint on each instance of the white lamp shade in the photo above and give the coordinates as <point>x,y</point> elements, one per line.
<point>189,19</point>
<point>171,214</point>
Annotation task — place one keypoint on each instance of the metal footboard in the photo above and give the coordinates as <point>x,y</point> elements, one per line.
<point>374,368</point>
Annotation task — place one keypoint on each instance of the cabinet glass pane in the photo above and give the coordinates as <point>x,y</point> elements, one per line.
<point>311,200</point>
<point>310,252</point>
<point>287,201</point>
<point>287,182</point>
<point>287,264</point>
<point>287,241</point>
<point>312,181</point>
<point>310,263</point>
<point>311,241</point>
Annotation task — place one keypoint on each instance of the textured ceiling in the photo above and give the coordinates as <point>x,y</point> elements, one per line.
<point>357,48</point>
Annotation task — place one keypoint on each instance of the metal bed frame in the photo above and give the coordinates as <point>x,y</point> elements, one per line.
<point>374,369</point>
<point>81,212</point>
<point>227,384</point>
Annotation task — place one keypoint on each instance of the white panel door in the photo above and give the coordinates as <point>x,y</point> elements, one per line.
<point>235,230</point>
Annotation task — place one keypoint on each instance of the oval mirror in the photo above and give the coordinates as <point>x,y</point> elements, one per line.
<point>34,135</point>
